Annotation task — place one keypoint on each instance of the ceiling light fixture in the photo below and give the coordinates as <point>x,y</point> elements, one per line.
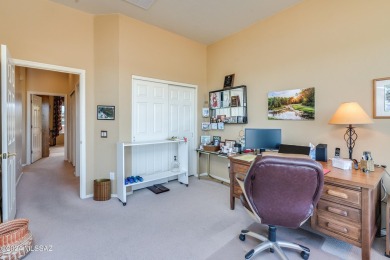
<point>144,4</point>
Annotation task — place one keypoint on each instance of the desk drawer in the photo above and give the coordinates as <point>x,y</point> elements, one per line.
<point>341,194</point>
<point>350,230</point>
<point>240,168</point>
<point>344,212</point>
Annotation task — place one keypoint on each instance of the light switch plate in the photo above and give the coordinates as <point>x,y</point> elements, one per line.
<point>103,134</point>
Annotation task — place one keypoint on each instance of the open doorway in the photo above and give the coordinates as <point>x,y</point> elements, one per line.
<point>50,129</point>
<point>78,126</point>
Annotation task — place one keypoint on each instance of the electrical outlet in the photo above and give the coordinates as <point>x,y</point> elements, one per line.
<point>112,176</point>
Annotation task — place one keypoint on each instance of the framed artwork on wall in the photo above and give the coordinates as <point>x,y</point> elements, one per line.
<point>295,104</point>
<point>382,98</point>
<point>105,112</point>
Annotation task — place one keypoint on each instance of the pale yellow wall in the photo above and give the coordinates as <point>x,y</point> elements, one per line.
<point>126,47</point>
<point>46,81</point>
<point>149,51</point>
<point>46,32</point>
<point>106,89</point>
<point>110,48</point>
<point>338,47</point>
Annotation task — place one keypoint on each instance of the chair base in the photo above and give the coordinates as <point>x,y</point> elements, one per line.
<point>273,245</point>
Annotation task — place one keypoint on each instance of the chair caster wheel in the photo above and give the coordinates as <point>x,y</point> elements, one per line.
<point>272,250</point>
<point>305,255</point>
<point>242,237</point>
<point>249,254</point>
<point>124,203</point>
<point>186,185</point>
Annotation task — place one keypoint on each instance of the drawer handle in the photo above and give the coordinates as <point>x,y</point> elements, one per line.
<point>338,194</point>
<point>337,227</point>
<point>338,211</point>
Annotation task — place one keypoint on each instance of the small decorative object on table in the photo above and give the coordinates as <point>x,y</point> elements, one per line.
<point>367,164</point>
<point>175,165</point>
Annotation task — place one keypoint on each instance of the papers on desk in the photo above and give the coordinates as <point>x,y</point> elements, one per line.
<point>246,157</point>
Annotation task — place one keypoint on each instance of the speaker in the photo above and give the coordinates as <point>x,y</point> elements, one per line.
<point>321,152</point>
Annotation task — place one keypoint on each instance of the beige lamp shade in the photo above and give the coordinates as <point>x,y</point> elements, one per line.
<point>350,113</point>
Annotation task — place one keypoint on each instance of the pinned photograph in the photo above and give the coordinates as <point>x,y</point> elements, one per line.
<point>205,112</point>
<point>205,126</point>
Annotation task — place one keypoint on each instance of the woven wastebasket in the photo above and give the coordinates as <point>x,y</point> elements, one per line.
<point>102,189</point>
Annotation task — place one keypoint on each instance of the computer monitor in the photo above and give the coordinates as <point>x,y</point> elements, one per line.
<point>268,139</point>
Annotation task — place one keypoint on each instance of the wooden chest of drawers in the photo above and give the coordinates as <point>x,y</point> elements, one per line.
<point>349,208</point>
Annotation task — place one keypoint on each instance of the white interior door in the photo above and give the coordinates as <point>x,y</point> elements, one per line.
<point>150,122</point>
<point>150,111</point>
<point>36,128</point>
<point>8,154</point>
<point>182,118</point>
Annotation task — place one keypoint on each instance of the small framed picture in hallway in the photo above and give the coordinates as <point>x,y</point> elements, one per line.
<point>105,112</point>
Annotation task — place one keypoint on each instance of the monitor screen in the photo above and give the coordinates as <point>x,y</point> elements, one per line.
<point>256,138</point>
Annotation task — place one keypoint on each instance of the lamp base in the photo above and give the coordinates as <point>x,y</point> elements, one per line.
<point>350,137</point>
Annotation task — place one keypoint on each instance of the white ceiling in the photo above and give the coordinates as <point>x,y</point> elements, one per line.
<point>205,21</point>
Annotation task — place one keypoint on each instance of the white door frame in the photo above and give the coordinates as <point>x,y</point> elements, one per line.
<point>134,77</point>
<point>28,132</point>
<point>82,118</point>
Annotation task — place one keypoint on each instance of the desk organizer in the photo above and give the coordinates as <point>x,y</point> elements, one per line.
<point>211,148</point>
<point>367,164</point>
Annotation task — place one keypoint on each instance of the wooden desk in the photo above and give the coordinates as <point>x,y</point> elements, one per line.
<point>349,208</point>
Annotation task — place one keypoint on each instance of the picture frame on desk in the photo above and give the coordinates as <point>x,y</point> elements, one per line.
<point>230,143</point>
<point>381,95</point>
<point>216,140</point>
<point>205,139</point>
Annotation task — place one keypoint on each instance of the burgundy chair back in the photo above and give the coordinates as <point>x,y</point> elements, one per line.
<point>284,191</point>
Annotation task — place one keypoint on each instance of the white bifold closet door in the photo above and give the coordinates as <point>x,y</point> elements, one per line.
<point>182,119</point>
<point>160,111</point>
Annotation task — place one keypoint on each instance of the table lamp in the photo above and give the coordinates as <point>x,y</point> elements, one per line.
<point>350,113</point>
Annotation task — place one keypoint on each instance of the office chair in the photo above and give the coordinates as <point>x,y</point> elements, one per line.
<point>294,149</point>
<point>280,191</point>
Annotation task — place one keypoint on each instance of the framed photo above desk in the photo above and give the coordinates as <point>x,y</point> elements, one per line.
<point>382,98</point>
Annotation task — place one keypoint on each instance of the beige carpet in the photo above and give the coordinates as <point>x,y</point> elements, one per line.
<point>192,222</point>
